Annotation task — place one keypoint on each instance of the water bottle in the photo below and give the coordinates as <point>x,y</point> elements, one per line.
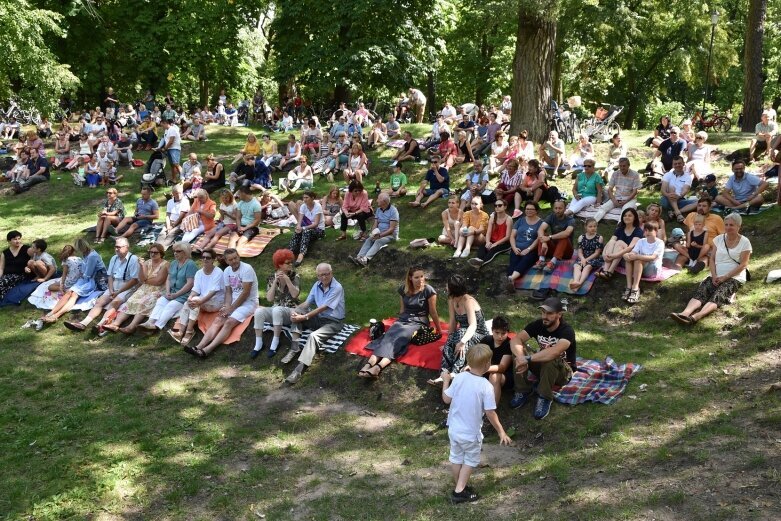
<point>377,188</point>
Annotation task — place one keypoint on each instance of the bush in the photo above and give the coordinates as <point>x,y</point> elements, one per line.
<point>653,112</point>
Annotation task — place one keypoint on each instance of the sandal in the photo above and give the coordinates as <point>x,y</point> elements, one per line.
<point>195,351</point>
<point>634,296</point>
<point>436,382</point>
<point>175,335</point>
<point>341,238</point>
<point>187,337</point>
<point>376,375</point>
<point>127,330</point>
<point>681,318</point>
<point>110,327</point>
<point>365,371</point>
<point>680,218</point>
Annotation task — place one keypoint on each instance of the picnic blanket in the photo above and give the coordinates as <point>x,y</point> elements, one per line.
<point>596,381</point>
<point>427,356</point>
<point>665,274</point>
<point>333,343</point>
<point>558,279</point>
<point>206,318</point>
<point>717,208</point>
<point>591,211</point>
<point>252,249</point>
<point>42,298</point>
<point>396,143</point>
<point>18,293</point>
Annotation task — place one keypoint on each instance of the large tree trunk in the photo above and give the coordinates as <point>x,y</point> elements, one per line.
<point>752,59</point>
<point>431,94</point>
<point>630,111</point>
<point>535,50</point>
<point>484,72</point>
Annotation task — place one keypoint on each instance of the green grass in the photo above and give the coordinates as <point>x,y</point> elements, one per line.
<point>131,428</point>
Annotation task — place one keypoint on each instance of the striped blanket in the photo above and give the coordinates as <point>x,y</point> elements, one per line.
<point>558,279</point>
<point>596,381</point>
<point>331,346</point>
<point>252,249</point>
<point>591,211</point>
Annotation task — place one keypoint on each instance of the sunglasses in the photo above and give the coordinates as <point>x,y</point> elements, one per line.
<point>155,252</point>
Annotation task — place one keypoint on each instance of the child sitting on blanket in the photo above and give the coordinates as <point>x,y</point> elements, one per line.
<point>645,260</point>
<point>469,396</point>
<point>589,255</point>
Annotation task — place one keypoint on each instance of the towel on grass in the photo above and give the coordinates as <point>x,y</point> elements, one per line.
<point>18,294</point>
<point>333,343</point>
<point>427,356</point>
<point>717,208</point>
<point>206,318</point>
<point>42,298</point>
<point>665,274</point>
<point>596,381</point>
<point>558,279</point>
<point>591,211</point>
<point>252,249</point>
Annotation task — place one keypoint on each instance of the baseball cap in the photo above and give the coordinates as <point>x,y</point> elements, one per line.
<point>677,233</point>
<point>552,305</point>
<point>710,178</point>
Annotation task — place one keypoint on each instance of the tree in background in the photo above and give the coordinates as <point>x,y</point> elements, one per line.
<point>28,69</point>
<point>535,49</point>
<point>752,60</point>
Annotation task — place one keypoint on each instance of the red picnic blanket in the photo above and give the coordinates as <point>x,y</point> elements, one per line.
<point>428,356</point>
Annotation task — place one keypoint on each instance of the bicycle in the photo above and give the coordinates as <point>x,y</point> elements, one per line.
<point>715,122</point>
<point>603,125</point>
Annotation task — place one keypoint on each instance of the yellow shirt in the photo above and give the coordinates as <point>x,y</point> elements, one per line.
<point>252,149</point>
<point>480,223</point>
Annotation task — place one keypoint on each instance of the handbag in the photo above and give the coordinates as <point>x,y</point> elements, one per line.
<point>425,335</point>
<point>748,273</point>
<point>376,330</point>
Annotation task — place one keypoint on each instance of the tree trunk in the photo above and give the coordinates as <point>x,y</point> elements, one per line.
<point>484,73</point>
<point>535,50</point>
<point>431,94</point>
<point>558,68</point>
<point>341,94</point>
<point>630,112</point>
<point>203,98</point>
<point>752,59</point>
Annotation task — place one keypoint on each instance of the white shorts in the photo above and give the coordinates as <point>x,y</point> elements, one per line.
<point>245,310</point>
<point>122,297</point>
<point>465,452</point>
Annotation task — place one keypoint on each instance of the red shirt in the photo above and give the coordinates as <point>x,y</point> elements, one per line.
<point>447,147</point>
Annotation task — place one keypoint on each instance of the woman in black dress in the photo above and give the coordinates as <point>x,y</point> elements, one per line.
<point>13,262</point>
<point>418,303</point>
<point>215,175</point>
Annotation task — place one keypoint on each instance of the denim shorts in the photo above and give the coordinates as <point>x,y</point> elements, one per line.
<point>174,155</point>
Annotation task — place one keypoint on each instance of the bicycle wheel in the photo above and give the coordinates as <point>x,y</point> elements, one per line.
<point>612,129</point>
<point>723,124</point>
<point>326,114</point>
<point>561,128</point>
<point>576,127</point>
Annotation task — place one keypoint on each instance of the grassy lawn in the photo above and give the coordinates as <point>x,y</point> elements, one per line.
<point>128,428</point>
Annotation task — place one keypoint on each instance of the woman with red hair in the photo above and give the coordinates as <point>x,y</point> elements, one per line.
<point>282,289</point>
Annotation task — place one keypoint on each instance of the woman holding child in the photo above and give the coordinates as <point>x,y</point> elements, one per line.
<point>418,302</point>
<point>623,240</point>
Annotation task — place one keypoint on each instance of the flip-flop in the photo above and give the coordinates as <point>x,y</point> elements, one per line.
<point>436,382</point>
<point>75,326</point>
<point>681,318</point>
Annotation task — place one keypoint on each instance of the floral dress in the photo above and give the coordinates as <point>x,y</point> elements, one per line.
<point>143,301</point>
<point>450,361</point>
<point>589,246</point>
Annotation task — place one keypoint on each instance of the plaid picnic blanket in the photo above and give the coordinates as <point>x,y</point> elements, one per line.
<point>558,279</point>
<point>717,208</point>
<point>333,343</point>
<point>596,381</point>
<point>252,249</point>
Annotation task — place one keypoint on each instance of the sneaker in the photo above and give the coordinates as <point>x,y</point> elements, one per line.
<point>465,496</point>
<point>290,356</point>
<point>254,353</point>
<point>625,294</point>
<point>510,285</point>
<point>542,408</point>
<point>457,254</point>
<point>465,254</point>
<point>634,296</point>
<point>519,400</point>
<point>295,376</point>
<point>271,353</point>
<point>549,267</point>
<point>517,213</point>
<point>38,325</point>
<point>698,267</point>
<point>539,265</point>
<point>540,294</point>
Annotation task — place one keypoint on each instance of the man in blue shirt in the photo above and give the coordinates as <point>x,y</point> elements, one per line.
<point>743,191</point>
<point>558,244</point>
<point>146,213</point>
<point>325,320</point>
<point>438,182</point>
<point>386,230</point>
<point>39,171</point>
<point>671,147</point>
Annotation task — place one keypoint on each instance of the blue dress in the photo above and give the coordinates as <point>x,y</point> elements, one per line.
<point>92,266</point>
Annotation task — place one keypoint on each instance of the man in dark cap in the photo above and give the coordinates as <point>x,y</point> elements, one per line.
<point>553,363</point>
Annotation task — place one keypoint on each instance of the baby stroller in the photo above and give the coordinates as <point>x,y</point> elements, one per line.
<point>154,171</point>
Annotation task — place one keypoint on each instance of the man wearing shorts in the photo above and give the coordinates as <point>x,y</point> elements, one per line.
<point>438,182</point>
<point>147,211</point>
<point>172,147</point>
<point>323,313</point>
<point>249,216</point>
<point>122,282</point>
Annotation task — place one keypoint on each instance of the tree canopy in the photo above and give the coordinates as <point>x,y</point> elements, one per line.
<point>636,53</point>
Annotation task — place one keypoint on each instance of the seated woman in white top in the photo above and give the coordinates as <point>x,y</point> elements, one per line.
<point>300,178</point>
<point>728,264</point>
<point>207,294</point>
<point>698,162</point>
<point>293,153</point>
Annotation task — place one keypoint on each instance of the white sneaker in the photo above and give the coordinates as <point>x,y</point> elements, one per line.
<point>457,254</point>
<point>38,325</point>
<point>465,254</point>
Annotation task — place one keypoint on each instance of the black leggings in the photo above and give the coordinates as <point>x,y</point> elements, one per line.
<point>361,217</point>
